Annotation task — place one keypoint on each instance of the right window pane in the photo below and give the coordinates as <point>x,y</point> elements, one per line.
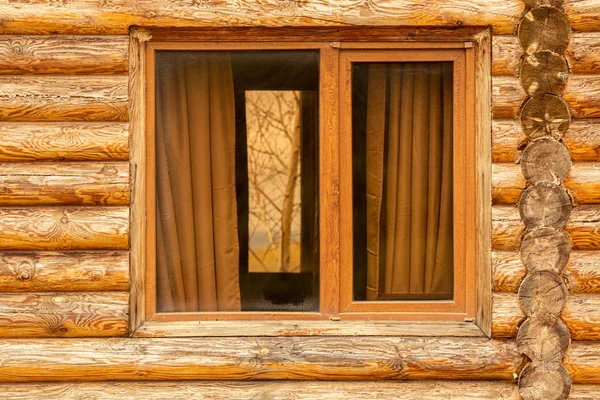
<point>402,123</point>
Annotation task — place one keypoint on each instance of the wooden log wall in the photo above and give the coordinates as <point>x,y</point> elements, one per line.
<point>65,185</point>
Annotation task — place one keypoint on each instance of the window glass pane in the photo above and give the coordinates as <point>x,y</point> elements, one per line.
<point>237,181</point>
<point>402,181</point>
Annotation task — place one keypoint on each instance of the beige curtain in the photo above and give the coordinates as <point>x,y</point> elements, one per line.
<point>197,239</point>
<point>409,180</point>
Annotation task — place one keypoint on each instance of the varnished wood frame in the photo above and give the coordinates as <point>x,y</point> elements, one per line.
<point>144,322</point>
<point>463,304</point>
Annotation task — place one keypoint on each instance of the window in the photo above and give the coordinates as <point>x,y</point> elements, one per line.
<point>333,176</point>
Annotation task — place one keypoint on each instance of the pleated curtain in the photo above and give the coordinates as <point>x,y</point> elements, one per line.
<point>197,238</point>
<point>409,180</point>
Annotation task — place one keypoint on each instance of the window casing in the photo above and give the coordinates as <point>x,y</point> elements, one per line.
<point>469,310</point>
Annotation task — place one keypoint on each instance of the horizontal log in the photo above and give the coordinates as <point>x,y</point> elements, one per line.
<point>216,390</point>
<point>64,55</point>
<point>582,139</point>
<point>583,227</point>
<point>581,314</point>
<point>64,271</point>
<point>582,94</point>
<point>63,98</point>
<point>64,228</point>
<point>583,362</point>
<point>64,141</point>
<point>89,17</point>
<point>581,274</point>
<point>583,54</point>
<point>92,314</point>
<point>582,182</point>
<point>72,183</point>
<point>290,358</point>
<point>585,392</point>
<point>508,183</point>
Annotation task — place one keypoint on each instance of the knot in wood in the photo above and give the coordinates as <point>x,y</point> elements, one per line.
<point>263,352</point>
<point>25,271</point>
<point>96,275</point>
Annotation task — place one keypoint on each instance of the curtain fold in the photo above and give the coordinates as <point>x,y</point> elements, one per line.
<point>197,238</point>
<point>409,180</point>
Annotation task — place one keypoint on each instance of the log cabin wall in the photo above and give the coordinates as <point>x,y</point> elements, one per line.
<point>66,179</point>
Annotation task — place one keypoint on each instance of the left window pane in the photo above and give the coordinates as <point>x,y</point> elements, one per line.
<point>237,181</point>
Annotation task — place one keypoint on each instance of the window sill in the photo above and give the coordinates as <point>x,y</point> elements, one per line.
<point>308,328</point>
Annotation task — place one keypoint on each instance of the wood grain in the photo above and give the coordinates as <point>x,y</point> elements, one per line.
<point>64,228</point>
<point>115,17</point>
<point>63,98</point>
<point>274,328</point>
<point>72,183</point>
<point>20,55</point>
<point>581,275</point>
<point>583,54</point>
<point>581,314</point>
<point>582,182</point>
<point>217,390</point>
<point>582,94</point>
<point>583,227</point>
<point>91,314</point>
<point>582,139</point>
<point>583,362</point>
<point>64,271</point>
<point>290,358</point>
<point>64,141</point>
<point>137,107</point>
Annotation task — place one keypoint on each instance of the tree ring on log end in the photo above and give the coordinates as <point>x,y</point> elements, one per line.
<point>543,338</point>
<point>546,160</point>
<point>542,293</point>
<point>545,205</point>
<point>544,28</point>
<point>545,115</point>
<point>545,249</point>
<point>544,72</point>
<point>544,381</point>
<point>535,3</point>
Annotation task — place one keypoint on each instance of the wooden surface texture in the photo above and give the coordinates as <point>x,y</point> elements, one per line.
<point>581,314</point>
<point>582,140</point>
<point>307,358</point>
<point>583,226</point>
<point>582,95</point>
<point>217,390</point>
<point>64,141</point>
<point>583,183</point>
<point>86,314</point>
<point>583,54</point>
<point>37,98</point>
<point>582,274</point>
<point>64,271</point>
<point>90,55</point>
<point>72,183</point>
<point>115,17</point>
<point>64,228</point>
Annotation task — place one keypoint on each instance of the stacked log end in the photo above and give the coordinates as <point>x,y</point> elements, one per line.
<point>545,205</point>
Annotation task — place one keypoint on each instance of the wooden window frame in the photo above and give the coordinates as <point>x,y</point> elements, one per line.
<point>469,314</point>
